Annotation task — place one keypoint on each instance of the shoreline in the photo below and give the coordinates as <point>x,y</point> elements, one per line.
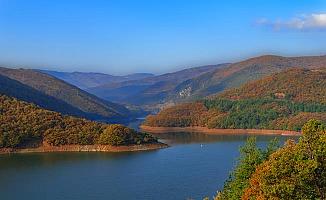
<point>205,130</point>
<point>85,148</point>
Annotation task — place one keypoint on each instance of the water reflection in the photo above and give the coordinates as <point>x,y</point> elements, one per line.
<point>192,137</point>
<point>48,160</point>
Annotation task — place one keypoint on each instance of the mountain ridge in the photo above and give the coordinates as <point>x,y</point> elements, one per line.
<point>86,80</point>
<point>241,72</point>
<point>144,89</point>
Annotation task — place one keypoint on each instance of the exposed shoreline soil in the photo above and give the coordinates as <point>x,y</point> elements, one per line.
<point>85,148</point>
<point>199,129</point>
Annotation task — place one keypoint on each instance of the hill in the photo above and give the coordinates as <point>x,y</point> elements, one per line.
<point>239,73</point>
<point>24,125</point>
<point>295,102</point>
<point>13,88</point>
<point>299,85</point>
<point>67,93</point>
<point>86,80</point>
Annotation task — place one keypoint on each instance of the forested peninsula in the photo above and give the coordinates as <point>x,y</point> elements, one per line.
<point>26,127</point>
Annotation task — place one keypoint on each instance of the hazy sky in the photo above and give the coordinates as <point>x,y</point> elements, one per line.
<point>124,36</point>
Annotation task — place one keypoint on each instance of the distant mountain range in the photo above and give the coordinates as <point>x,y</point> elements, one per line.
<point>155,92</point>
<point>85,80</point>
<point>151,90</point>
<point>92,94</point>
<point>57,95</point>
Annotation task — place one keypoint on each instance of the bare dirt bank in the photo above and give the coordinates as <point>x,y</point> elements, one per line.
<point>205,130</point>
<point>85,148</point>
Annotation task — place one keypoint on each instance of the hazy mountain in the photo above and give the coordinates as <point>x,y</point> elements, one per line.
<point>66,93</point>
<point>198,82</point>
<point>85,80</point>
<point>239,73</point>
<point>150,90</point>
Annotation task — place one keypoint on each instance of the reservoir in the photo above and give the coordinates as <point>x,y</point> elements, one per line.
<point>196,165</point>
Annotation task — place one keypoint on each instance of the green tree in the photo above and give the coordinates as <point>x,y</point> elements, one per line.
<point>251,156</point>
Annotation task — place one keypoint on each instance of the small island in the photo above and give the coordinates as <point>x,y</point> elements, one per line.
<point>27,128</point>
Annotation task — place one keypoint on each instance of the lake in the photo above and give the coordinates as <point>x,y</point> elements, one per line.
<point>194,166</point>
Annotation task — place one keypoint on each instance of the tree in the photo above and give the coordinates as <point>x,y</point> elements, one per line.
<point>251,156</point>
<point>296,171</point>
<point>116,135</point>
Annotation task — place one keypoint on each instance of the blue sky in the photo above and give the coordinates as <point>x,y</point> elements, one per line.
<point>126,36</point>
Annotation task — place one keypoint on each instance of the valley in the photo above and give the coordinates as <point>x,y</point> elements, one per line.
<point>162,100</point>
<point>204,112</point>
<point>279,103</point>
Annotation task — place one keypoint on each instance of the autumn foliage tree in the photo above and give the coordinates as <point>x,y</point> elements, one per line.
<point>242,114</point>
<point>296,171</point>
<point>250,157</point>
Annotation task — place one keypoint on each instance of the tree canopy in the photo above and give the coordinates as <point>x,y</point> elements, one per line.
<point>296,171</point>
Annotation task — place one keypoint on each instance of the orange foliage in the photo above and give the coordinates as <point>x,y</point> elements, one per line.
<point>183,115</point>
<point>300,85</point>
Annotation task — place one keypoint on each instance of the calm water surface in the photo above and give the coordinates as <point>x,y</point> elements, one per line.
<point>194,166</point>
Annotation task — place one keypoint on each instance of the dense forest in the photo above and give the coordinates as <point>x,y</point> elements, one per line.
<point>294,171</point>
<point>25,125</point>
<point>259,107</point>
